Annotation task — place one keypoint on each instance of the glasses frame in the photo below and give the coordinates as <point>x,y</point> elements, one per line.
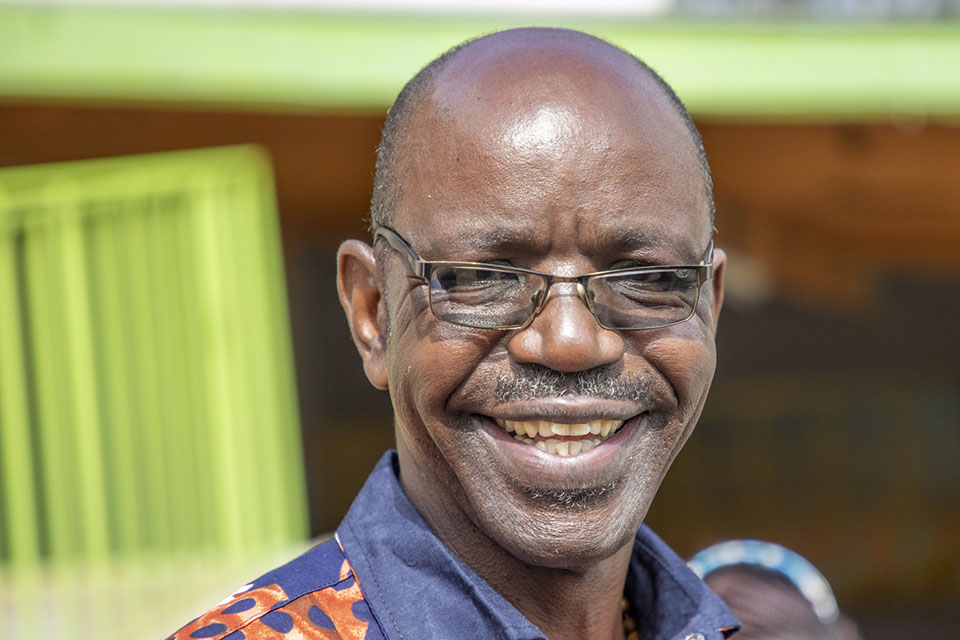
<point>423,270</point>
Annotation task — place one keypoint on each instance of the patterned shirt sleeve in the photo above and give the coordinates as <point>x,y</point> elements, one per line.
<point>336,612</point>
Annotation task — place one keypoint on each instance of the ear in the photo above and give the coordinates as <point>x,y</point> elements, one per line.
<point>719,271</point>
<point>360,296</point>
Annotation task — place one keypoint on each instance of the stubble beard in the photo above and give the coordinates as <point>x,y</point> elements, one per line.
<point>567,499</point>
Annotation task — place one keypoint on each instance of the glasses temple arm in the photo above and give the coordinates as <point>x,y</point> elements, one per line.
<point>708,261</point>
<point>417,265</point>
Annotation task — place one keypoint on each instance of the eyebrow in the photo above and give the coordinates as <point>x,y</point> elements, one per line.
<point>499,240</point>
<point>525,240</point>
<point>621,239</point>
<point>650,248</point>
<point>626,239</point>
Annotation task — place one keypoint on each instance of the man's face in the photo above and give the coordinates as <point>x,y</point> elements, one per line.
<point>586,179</point>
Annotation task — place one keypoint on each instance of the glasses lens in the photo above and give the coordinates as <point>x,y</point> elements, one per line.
<point>644,299</point>
<point>485,298</point>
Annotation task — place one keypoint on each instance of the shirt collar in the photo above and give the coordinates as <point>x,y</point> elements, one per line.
<point>669,599</point>
<point>416,587</point>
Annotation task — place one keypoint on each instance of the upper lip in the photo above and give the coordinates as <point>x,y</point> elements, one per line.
<point>566,410</point>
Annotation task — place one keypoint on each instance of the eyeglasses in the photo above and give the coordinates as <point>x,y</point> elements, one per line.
<point>493,296</point>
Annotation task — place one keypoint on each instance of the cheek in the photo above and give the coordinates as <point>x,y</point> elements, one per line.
<point>428,361</point>
<point>686,357</point>
<point>425,370</point>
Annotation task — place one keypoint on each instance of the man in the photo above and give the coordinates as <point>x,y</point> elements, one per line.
<point>535,415</point>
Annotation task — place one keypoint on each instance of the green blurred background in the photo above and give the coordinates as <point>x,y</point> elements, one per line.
<point>180,404</point>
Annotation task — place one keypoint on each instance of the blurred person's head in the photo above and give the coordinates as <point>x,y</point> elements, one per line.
<point>776,593</point>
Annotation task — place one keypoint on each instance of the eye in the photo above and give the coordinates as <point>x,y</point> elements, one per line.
<point>478,286</point>
<point>473,278</point>
<point>644,281</point>
<point>653,288</point>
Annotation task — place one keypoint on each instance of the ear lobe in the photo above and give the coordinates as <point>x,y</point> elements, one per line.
<point>719,271</point>
<point>360,296</point>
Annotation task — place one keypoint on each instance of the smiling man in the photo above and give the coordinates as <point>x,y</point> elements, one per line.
<point>540,298</point>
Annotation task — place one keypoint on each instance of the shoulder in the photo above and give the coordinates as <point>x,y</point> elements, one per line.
<point>316,596</point>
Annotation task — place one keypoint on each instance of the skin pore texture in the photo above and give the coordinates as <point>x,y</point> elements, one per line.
<point>550,150</point>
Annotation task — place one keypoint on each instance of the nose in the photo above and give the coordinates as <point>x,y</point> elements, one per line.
<point>565,336</point>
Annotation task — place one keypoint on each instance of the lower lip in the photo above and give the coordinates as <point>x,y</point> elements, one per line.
<point>539,468</point>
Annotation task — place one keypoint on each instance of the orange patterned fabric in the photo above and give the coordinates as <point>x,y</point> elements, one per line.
<point>234,612</point>
<point>336,612</point>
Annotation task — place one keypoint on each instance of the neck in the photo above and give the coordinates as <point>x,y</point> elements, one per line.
<point>571,604</point>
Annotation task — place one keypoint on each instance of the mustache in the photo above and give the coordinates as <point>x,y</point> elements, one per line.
<point>531,381</point>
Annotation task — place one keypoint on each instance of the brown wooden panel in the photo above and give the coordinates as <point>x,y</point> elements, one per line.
<point>831,207</point>
<point>323,162</point>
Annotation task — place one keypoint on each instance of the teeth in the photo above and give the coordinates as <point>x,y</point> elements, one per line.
<point>606,426</point>
<point>558,428</point>
<point>527,431</point>
<point>561,429</point>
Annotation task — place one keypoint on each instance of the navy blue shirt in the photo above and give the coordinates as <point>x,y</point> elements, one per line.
<point>385,575</point>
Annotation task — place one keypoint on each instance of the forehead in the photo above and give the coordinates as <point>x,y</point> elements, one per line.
<point>546,141</point>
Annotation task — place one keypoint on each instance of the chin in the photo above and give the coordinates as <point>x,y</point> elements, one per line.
<point>564,529</point>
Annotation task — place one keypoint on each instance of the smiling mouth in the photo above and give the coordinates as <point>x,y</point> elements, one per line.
<point>559,438</point>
